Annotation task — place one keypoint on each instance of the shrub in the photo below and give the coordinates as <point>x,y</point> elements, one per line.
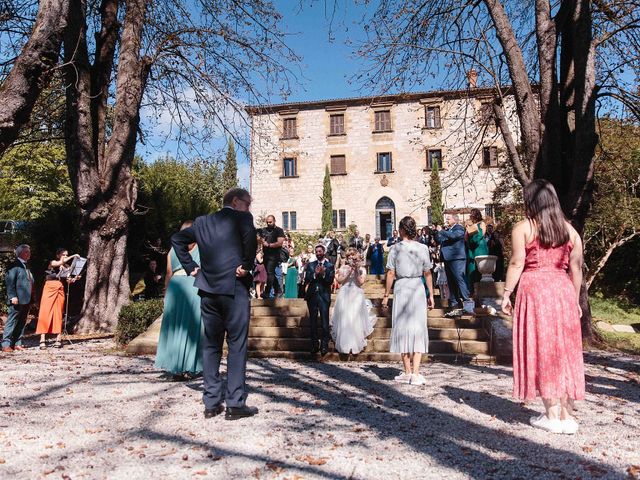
<point>135,318</point>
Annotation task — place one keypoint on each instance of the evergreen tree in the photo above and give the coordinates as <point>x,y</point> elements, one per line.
<point>327,208</point>
<point>230,171</point>
<point>437,207</point>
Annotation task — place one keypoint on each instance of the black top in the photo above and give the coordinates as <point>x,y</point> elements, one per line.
<point>272,237</point>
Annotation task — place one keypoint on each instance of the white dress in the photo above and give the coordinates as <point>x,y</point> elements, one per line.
<point>409,333</point>
<point>352,321</point>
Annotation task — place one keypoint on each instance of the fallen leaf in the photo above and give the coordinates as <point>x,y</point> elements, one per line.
<point>312,460</point>
<point>634,472</point>
<point>200,472</point>
<point>275,467</point>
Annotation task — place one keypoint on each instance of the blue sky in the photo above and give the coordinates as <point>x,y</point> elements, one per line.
<point>326,70</point>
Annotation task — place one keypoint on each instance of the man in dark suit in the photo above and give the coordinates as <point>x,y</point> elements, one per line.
<point>19,284</point>
<point>318,278</point>
<point>454,255</point>
<point>227,244</point>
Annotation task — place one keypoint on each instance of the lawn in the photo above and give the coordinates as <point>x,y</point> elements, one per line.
<point>616,311</point>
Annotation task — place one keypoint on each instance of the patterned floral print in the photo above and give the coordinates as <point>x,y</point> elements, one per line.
<point>547,340</point>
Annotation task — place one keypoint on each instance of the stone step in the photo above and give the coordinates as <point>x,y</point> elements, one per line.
<point>293,310</point>
<point>374,345</point>
<point>481,359</point>
<point>292,321</point>
<point>378,333</point>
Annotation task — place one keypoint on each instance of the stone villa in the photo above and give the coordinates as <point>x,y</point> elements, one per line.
<point>380,152</point>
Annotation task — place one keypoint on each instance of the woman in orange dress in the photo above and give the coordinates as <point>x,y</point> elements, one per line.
<point>52,302</point>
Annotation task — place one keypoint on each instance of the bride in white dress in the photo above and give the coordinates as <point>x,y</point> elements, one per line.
<point>352,320</point>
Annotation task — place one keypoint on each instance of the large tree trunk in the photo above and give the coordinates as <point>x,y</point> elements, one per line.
<point>32,69</point>
<point>100,170</point>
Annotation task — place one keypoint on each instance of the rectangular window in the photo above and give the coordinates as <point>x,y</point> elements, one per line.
<point>290,168</point>
<point>285,220</point>
<point>489,210</point>
<point>334,219</point>
<point>490,156</point>
<point>434,156</point>
<point>289,128</point>
<point>429,216</point>
<point>343,218</point>
<point>384,162</point>
<point>432,117</point>
<point>336,124</point>
<point>486,113</point>
<point>293,218</point>
<point>383,121</point>
<point>338,165</point>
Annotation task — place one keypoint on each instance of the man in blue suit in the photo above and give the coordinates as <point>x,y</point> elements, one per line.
<point>318,278</point>
<point>227,243</point>
<point>19,284</point>
<point>454,255</point>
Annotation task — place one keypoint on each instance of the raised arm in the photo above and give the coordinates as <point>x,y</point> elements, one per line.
<point>180,242</point>
<point>453,234</point>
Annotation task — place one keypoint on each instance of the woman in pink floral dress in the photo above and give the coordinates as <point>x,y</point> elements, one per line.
<point>547,340</point>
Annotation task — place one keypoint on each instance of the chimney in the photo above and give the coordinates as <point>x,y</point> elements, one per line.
<point>472,76</point>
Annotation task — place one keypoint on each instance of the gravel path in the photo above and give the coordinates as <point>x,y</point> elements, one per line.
<point>88,412</point>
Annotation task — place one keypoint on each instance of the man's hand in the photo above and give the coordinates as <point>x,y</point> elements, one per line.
<point>265,243</point>
<point>439,228</point>
<point>14,301</point>
<point>241,272</point>
<point>320,270</point>
<point>195,271</point>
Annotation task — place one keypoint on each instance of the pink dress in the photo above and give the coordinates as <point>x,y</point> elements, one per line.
<point>547,339</point>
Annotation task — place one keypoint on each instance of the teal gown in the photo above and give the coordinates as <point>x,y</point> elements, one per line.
<point>476,246</point>
<point>179,347</point>
<point>291,280</point>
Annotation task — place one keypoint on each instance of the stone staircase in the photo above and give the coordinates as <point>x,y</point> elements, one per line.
<point>280,328</point>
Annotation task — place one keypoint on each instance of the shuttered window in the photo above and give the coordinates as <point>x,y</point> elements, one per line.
<point>336,124</point>
<point>289,128</point>
<point>290,167</point>
<point>338,165</point>
<point>383,121</point>
<point>384,162</point>
<point>434,156</point>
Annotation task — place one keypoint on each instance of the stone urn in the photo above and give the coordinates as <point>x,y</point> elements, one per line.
<point>486,265</point>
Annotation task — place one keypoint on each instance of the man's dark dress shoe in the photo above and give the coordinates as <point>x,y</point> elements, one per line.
<point>324,349</point>
<point>235,413</point>
<point>213,412</point>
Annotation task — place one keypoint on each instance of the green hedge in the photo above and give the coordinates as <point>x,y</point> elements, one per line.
<point>135,318</point>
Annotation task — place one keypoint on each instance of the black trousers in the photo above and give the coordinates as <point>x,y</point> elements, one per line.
<point>225,314</point>
<point>270,265</point>
<point>319,304</point>
<point>14,328</point>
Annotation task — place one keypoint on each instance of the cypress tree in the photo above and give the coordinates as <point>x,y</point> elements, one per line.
<point>437,207</point>
<point>327,203</point>
<point>230,170</point>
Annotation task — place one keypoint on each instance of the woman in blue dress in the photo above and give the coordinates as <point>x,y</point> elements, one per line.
<point>179,351</point>
<point>377,258</point>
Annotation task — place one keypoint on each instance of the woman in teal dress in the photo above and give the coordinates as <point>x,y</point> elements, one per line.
<point>291,282</point>
<point>179,351</point>
<point>476,245</point>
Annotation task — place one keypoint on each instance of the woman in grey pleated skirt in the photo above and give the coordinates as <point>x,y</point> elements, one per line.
<point>408,262</point>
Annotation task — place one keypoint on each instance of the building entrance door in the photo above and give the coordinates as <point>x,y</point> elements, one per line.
<point>385,218</point>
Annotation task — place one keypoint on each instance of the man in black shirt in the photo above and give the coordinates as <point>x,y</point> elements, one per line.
<point>272,241</point>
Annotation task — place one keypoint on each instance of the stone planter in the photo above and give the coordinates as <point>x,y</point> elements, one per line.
<point>486,265</point>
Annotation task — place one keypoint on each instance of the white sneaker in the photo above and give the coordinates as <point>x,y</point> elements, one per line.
<point>418,379</point>
<point>403,378</point>
<point>544,423</point>
<point>569,426</point>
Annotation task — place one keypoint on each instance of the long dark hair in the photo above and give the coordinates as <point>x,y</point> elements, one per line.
<point>475,215</point>
<point>408,226</point>
<point>541,205</point>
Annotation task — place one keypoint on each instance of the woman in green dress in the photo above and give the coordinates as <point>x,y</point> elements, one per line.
<point>179,351</point>
<point>291,281</point>
<point>476,245</point>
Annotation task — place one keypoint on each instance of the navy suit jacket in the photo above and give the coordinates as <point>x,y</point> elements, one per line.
<point>321,285</point>
<point>452,243</point>
<point>226,240</point>
<point>19,284</point>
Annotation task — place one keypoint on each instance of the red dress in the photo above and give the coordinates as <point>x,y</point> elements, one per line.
<point>547,339</point>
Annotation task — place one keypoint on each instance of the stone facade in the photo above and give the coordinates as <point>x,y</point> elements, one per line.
<point>374,200</point>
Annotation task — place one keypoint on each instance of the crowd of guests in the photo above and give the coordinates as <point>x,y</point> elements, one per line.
<point>279,271</point>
